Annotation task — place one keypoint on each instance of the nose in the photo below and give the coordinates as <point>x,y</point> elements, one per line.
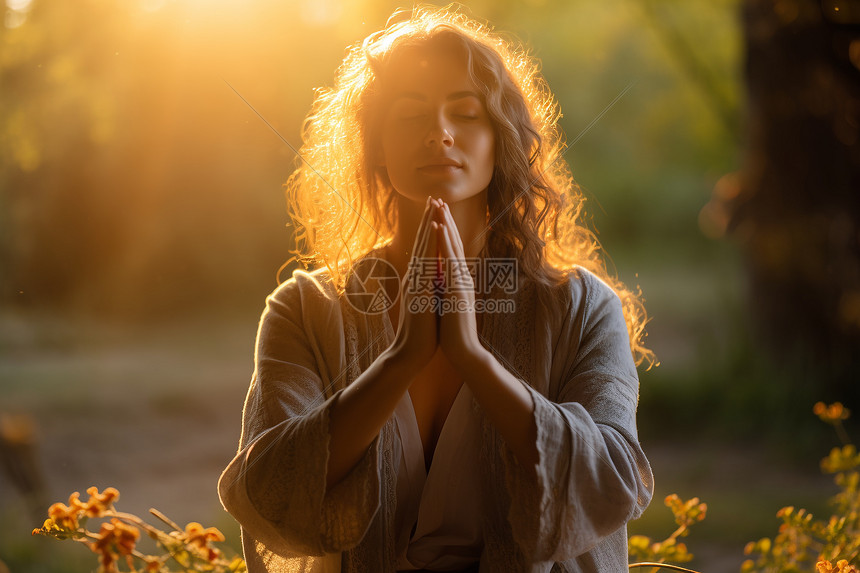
<point>439,133</point>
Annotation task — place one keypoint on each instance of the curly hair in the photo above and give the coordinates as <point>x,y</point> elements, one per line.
<point>342,204</point>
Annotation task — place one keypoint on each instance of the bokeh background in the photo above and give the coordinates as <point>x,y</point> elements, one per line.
<point>142,224</point>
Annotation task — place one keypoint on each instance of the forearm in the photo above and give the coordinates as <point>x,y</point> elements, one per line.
<point>360,411</point>
<point>506,402</point>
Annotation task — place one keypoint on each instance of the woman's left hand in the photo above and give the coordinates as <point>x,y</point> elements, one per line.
<point>458,327</point>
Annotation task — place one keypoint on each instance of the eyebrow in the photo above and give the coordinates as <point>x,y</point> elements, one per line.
<point>450,97</point>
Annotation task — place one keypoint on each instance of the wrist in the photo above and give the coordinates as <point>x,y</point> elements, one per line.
<point>474,361</point>
<point>401,361</point>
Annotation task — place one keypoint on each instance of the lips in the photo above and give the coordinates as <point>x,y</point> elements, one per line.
<point>441,162</point>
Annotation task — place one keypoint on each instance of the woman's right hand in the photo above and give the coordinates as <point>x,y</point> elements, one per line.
<point>416,337</point>
<point>360,411</point>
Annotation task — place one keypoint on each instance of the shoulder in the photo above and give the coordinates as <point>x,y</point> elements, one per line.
<point>582,292</point>
<point>305,306</point>
<point>305,289</point>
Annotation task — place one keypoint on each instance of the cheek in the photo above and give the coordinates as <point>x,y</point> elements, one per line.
<point>394,145</point>
<point>392,158</point>
<point>486,147</point>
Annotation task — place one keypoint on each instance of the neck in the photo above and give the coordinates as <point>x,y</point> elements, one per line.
<point>470,216</point>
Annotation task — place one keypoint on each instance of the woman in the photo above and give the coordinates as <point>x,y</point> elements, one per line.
<point>485,419</point>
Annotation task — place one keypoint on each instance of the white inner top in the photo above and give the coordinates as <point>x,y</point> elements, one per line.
<point>437,518</point>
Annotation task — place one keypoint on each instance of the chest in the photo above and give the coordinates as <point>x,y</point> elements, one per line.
<point>433,392</point>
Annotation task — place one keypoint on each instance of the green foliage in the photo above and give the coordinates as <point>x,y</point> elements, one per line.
<point>804,542</point>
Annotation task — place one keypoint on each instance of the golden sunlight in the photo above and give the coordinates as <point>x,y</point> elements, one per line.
<point>16,12</point>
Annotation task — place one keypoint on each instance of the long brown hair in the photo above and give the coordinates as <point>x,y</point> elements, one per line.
<point>342,205</point>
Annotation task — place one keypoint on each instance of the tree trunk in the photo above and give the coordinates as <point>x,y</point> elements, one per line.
<point>795,208</point>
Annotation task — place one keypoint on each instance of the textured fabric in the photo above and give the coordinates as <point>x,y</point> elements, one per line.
<point>568,345</point>
<point>444,502</point>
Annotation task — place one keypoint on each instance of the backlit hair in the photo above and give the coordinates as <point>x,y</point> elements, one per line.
<point>342,204</point>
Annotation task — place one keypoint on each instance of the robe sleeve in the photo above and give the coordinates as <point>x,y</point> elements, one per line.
<point>592,476</point>
<point>275,485</point>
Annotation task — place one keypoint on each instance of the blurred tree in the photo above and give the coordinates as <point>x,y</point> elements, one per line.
<point>129,173</point>
<point>795,205</point>
<point>687,54</point>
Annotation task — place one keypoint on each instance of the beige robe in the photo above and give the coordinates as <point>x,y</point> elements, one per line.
<point>568,345</point>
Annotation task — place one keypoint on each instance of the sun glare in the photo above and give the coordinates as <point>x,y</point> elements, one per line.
<point>16,13</point>
<point>19,5</point>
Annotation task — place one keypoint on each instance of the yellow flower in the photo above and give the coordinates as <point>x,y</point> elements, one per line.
<point>238,565</point>
<point>686,512</point>
<point>785,511</point>
<point>640,542</point>
<point>841,459</point>
<point>48,527</point>
<point>640,547</point>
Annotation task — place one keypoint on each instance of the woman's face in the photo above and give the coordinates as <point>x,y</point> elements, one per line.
<point>436,136</point>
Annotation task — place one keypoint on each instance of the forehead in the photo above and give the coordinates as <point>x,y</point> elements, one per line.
<point>425,71</point>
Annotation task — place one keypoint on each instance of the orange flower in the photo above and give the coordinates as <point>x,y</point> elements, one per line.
<point>198,537</point>
<point>66,516</point>
<point>114,537</point>
<point>63,516</point>
<point>99,503</point>
<point>195,534</point>
<point>842,566</point>
<point>153,564</point>
<point>831,414</point>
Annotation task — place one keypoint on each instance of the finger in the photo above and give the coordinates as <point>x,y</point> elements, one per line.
<point>445,247</point>
<point>444,256</point>
<point>414,282</point>
<point>447,252</point>
<point>456,240</point>
<point>433,250</point>
<point>422,241</point>
<point>423,271</point>
<point>464,280</point>
<point>434,215</point>
<point>423,228</point>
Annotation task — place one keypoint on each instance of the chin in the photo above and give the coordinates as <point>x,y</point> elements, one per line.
<point>446,194</point>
